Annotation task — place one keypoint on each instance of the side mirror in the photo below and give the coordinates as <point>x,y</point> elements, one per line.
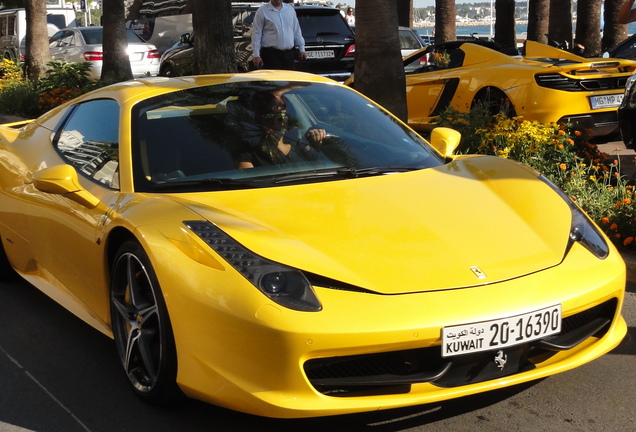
<point>62,180</point>
<point>445,140</point>
<point>185,38</point>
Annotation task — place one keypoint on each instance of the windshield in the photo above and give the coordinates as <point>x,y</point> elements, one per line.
<point>263,134</point>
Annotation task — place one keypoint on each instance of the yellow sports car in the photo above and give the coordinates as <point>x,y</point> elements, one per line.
<point>276,243</point>
<point>546,84</point>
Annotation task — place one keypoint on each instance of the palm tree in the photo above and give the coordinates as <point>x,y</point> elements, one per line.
<point>445,21</point>
<point>214,47</point>
<point>37,46</point>
<point>538,18</point>
<point>116,62</point>
<point>379,70</point>
<point>588,26</point>
<point>405,12</point>
<point>505,32</point>
<point>613,32</point>
<point>560,26</point>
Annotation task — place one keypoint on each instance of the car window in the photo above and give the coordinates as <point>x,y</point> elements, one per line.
<point>321,23</point>
<point>95,36</point>
<point>188,138</point>
<point>627,51</point>
<point>62,39</point>
<point>89,140</point>
<point>408,40</point>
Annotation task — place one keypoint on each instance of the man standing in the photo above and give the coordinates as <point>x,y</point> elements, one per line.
<point>275,33</point>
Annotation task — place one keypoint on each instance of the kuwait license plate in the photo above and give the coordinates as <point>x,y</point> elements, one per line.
<point>320,54</point>
<point>606,101</point>
<point>501,333</point>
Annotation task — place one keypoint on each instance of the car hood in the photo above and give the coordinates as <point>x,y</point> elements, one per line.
<point>473,221</point>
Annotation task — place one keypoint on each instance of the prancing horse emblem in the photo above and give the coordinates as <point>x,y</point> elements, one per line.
<point>501,359</point>
<point>477,272</point>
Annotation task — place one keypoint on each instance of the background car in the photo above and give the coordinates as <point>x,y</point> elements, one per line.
<point>627,114</point>
<point>334,277</point>
<point>546,84</point>
<point>626,49</point>
<point>329,43</point>
<point>410,41</point>
<point>84,44</point>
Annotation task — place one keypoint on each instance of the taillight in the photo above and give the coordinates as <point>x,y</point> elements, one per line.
<point>94,56</point>
<point>351,51</point>
<point>153,54</point>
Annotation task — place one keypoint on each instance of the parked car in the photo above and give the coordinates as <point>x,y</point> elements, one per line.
<point>546,84</point>
<point>84,44</point>
<point>329,42</point>
<point>354,268</point>
<point>627,114</point>
<point>410,41</point>
<point>626,49</point>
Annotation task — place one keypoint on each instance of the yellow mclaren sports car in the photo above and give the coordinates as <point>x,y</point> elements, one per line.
<point>546,84</point>
<point>278,244</point>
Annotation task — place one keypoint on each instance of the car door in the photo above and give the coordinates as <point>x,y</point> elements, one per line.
<point>63,234</point>
<point>60,44</point>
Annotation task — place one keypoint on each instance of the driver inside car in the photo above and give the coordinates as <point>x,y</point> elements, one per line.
<point>278,140</point>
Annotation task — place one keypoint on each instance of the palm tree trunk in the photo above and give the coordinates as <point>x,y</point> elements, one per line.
<point>538,17</point>
<point>505,31</point>
<point>116,65</point>
<point>560,27</point>
<point>588,26</point>
<point>378,67</point>
<point>214,47</point>
<point>37,46</point>
<point>445,21</point>
<point>613,32</point>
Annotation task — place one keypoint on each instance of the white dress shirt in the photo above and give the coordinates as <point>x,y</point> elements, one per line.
<point>275,28</point>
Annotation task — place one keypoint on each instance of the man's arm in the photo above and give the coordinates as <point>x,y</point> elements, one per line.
<point>627,13</point>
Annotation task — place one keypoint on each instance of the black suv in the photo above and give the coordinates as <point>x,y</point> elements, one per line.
<point>329,43</point>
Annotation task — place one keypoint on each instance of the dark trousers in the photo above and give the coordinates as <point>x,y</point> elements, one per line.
<point>278,59</point>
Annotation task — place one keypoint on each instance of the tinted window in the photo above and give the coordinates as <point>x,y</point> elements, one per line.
<point>89,140</point>
<point>322,23</point>
<point>185,140</point>
<point>95,36</point>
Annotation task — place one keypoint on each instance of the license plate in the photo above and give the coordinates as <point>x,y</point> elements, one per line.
<point>501,333</point>
<point>320,54</point>
<point>606,101</point>
<point>134,57</point>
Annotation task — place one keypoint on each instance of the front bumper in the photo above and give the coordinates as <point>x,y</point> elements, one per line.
<point>259,358</point>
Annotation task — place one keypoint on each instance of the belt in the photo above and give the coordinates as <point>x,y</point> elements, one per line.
<point>276,49</point>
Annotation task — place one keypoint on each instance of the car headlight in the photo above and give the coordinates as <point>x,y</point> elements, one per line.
<point>282,284</point>
<point>582,229</point>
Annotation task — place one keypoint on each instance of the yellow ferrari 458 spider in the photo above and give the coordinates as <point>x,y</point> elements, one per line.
<point>546,84</point>
<point>278,244</point>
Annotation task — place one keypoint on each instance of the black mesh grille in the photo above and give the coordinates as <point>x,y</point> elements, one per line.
<point>350,375</point>
<point>562,82</point>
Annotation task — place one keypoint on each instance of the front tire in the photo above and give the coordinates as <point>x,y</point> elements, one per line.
<point>141,326</point>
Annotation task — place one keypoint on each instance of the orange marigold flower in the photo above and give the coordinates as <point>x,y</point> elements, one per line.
<point>618,204</point>
<point>628,241</point>
<point>569,141</point>
<point>563,166</point>
<point>605,220</point>
<point>560,147</point>
<point>577,133</point>
<point>613,226</point>
<point>617,235</point>
<point>627,201</point>
<point>561,132</point>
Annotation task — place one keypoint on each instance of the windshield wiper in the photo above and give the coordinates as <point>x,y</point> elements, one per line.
<point>342,173</point>
<point>208,184</point>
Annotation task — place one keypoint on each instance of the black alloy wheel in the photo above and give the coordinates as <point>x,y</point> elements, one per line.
<point>141,326</point>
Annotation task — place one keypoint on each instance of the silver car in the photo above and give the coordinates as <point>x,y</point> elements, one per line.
<point>84,44</point>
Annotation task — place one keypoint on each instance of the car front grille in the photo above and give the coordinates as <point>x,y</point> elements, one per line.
<point>561,82</point>
<point>394,372</point>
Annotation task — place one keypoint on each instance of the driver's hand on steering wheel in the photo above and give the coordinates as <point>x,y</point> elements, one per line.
<point>315,136</point>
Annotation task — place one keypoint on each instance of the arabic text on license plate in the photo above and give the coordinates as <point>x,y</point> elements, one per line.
<point>501,333</point>
<point>320,54</point>
<point>606,101</point>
